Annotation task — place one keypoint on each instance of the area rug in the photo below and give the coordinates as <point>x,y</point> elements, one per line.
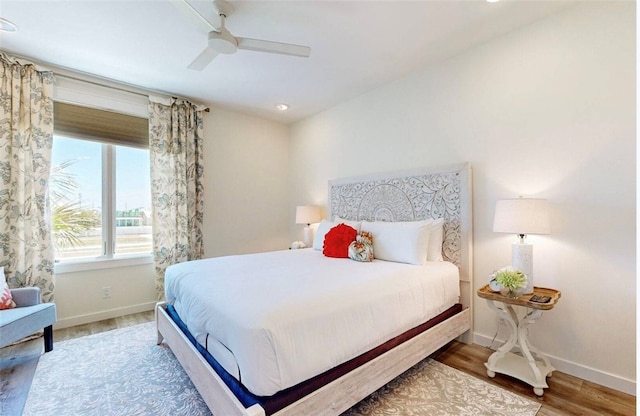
<point>123,372</point>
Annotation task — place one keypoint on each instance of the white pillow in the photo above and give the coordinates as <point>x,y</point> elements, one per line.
<point>401,242</point>
<point>323,228</point>
<point>434,251</point>
<point>354,224</point>
<point>326,225</point>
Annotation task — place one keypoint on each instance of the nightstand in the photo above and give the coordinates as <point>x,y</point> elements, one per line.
<point>530,365</point>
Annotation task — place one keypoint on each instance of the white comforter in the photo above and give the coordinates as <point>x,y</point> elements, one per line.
<point>276,319</point>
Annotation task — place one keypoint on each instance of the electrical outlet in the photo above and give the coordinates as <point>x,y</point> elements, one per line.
<point>106,292</point>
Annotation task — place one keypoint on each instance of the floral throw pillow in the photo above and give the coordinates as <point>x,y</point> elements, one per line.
<point>337,240</point>
<point>362,248</point>
<point>6,300</point>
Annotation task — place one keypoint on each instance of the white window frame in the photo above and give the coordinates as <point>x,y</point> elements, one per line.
<point>74,91</point>
<point>108,201</point>
<point>109,258</point>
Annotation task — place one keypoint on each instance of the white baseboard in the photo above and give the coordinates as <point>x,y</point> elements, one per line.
<point>99,316</point>
<point>577,370</point>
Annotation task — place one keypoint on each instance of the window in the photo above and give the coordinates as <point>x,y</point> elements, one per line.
<point>100,195</point>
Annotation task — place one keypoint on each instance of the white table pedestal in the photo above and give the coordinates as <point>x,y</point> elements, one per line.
<point>529,365</point>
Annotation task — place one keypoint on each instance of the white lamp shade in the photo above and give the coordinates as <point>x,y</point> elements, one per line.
<point>307,214</point>
<point>522,216</point>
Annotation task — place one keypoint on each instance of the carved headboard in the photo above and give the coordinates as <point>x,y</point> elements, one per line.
<point>443,192</point>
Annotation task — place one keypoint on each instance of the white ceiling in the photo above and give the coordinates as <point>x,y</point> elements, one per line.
<point>355,45</point>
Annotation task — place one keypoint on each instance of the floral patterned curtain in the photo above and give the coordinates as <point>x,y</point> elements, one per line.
<point>175,143</point>
<point>26,137</point>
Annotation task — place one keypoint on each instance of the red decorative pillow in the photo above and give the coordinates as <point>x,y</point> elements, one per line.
<point>6,300</point>
<point>337,240</point>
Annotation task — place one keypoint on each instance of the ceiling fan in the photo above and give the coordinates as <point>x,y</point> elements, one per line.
<point>220,40</point>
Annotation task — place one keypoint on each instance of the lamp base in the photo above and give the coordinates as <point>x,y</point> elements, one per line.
<point>308,236</point>
<point>522,259</point>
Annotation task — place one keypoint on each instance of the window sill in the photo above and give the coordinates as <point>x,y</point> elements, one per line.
<point>73,266</point>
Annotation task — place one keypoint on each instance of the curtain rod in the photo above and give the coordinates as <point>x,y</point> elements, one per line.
<point>101,81</point>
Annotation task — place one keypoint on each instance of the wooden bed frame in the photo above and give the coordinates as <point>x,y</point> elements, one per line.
<point>401,196</point>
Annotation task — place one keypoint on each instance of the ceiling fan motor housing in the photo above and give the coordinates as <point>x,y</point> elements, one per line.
<point>223,42</point>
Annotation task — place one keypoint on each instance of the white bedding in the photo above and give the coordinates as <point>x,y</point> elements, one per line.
<point>276,319</point>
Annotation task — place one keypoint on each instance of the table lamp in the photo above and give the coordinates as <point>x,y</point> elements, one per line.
<point>307,214</point>
<point>522,216</point>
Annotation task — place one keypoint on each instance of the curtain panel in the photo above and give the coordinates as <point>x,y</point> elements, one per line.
<point>175,145</point>
<point>26,137</point>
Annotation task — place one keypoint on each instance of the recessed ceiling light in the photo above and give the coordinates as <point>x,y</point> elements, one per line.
<point>492,1</point>
<point>7,26</point>
<point>282,107</point>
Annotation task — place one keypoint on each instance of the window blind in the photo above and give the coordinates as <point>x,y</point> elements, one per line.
<point>100,125</point>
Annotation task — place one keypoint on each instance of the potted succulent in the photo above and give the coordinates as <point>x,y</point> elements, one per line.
<point>508,281</point>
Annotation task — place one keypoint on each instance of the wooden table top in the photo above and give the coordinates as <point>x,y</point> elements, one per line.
<point>485,292</point>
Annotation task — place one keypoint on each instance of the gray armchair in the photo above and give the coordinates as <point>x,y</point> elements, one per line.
<point>27,317</point>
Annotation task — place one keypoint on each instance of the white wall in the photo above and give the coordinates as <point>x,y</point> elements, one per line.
<point>547,111</point>
<point>246,190</point>
<point>79,300</point>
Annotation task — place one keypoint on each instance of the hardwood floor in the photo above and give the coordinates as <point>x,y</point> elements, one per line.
<point>567,395</point>
<point>101,326</point>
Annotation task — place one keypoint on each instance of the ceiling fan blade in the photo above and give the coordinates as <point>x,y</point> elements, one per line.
<point>205,16</point>
<point>273,47</point>
<point>204,59</point>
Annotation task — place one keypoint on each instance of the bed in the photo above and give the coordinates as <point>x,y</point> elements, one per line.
<point>301,340</point>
